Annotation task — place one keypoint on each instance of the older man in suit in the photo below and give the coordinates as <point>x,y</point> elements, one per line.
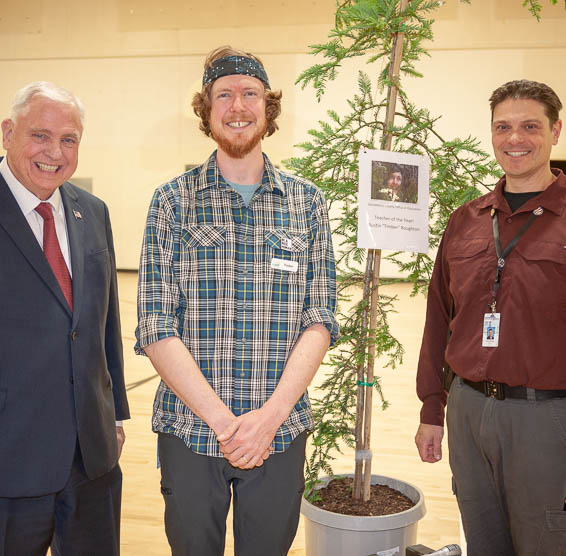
<point>62,394</point>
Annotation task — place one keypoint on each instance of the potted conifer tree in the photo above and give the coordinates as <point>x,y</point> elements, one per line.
<point>380,116</point>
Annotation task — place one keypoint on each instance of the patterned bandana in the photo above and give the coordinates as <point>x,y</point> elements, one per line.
<point>234,65</point>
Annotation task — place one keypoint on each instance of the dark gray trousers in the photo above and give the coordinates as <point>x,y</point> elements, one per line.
<point>508,459</point>
<point>83,519</point>
<point>197,490</point>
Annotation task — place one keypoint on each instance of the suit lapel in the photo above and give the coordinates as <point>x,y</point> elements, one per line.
<point>75,233</point>
<point>16,226</point>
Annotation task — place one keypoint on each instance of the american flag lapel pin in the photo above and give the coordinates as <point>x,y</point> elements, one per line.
<point>77,214</point>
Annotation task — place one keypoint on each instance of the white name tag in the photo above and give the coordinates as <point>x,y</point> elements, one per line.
<point>282,264</point>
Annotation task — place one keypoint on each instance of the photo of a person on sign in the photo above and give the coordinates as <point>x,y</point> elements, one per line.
<point>394,182</point>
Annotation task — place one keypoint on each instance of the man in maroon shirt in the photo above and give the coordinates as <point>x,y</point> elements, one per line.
<point>499,286</point>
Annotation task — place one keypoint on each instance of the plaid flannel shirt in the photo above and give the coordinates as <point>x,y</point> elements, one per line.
<point>207,276</point>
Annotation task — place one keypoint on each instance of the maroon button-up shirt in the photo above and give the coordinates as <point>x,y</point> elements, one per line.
<point>531,298</point>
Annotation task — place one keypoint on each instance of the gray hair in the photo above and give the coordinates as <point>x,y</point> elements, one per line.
<point>48,90</point>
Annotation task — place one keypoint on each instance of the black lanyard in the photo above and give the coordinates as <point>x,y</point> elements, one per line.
<point>502,255</point>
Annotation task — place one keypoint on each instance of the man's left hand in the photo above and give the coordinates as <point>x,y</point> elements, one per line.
<point>246,442</point>
<point>121,437</point>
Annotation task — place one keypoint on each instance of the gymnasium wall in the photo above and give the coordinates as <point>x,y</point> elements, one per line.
<point>136,64</point>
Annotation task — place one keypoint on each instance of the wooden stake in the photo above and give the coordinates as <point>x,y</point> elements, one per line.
<point>357,487</point>
<point>394,68</point>
<point>361,487</point>
<point>370,375</point>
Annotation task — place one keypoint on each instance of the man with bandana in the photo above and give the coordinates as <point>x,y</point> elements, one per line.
<point>236,307</point>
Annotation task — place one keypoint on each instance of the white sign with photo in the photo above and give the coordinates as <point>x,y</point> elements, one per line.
<point>393,201</point>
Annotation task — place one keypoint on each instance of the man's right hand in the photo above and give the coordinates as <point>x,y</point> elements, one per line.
<point>429,442</point>
<point>245,443</point>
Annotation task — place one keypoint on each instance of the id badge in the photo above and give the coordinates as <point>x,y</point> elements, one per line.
<point>491,325</point>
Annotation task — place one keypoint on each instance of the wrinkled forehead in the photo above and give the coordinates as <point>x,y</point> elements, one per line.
<point>40,103</point>
<point>44,113</point>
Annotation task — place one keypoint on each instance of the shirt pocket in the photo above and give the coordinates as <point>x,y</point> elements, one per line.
<point>201,253</point>
<point>291,248</point>
<point>468,265</point>
<point>203,236</point>
<point>544,251</point>
<point>543,264</point>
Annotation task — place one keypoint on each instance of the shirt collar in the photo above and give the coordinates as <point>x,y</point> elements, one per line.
<point>553,198</point>
<point>272,178</point>
<point>209,176</point>
<point>26,200</point>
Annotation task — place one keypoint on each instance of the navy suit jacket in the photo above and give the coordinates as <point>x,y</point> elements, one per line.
<point>61,372</point>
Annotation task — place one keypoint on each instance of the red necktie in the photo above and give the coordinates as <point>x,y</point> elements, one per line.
<point>53,252</point>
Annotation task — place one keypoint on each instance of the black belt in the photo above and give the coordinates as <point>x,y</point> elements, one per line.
<point>500,391</point>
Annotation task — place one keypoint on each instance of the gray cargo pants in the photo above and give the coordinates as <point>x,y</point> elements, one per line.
<point>508,460</point>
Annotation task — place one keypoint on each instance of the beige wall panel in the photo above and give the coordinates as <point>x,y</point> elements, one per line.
<point>449,10</point>
<point>38,29</point>
<point>20,17</point>
<point>494,24</point>
<point>458,83</point>
<point>147,15</point>
<point>511,9</point>
<point>69,28</point>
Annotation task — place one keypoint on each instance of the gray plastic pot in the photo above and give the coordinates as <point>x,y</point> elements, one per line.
<point>332,534</point>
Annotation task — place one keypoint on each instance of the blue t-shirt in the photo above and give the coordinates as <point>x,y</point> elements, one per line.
<point>246,191</point>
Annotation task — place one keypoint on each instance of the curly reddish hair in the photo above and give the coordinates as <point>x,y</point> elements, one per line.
<point>201,101</point>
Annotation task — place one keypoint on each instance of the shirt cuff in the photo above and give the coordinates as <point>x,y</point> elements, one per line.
<point>152,328</point>
<point>321,315</point>
<point>432,411</point>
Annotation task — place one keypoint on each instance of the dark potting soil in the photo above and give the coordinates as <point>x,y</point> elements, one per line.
<point>337,497</point>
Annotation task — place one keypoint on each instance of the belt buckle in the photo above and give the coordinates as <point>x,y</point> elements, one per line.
<point>494,390</point>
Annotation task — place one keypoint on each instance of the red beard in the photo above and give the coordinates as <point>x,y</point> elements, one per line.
<point>238,147</point>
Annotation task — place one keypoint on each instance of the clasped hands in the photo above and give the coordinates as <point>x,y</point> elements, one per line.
<point>246,441</point>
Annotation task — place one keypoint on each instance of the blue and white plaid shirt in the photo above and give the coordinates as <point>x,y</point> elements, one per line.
<point>207,276</point>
